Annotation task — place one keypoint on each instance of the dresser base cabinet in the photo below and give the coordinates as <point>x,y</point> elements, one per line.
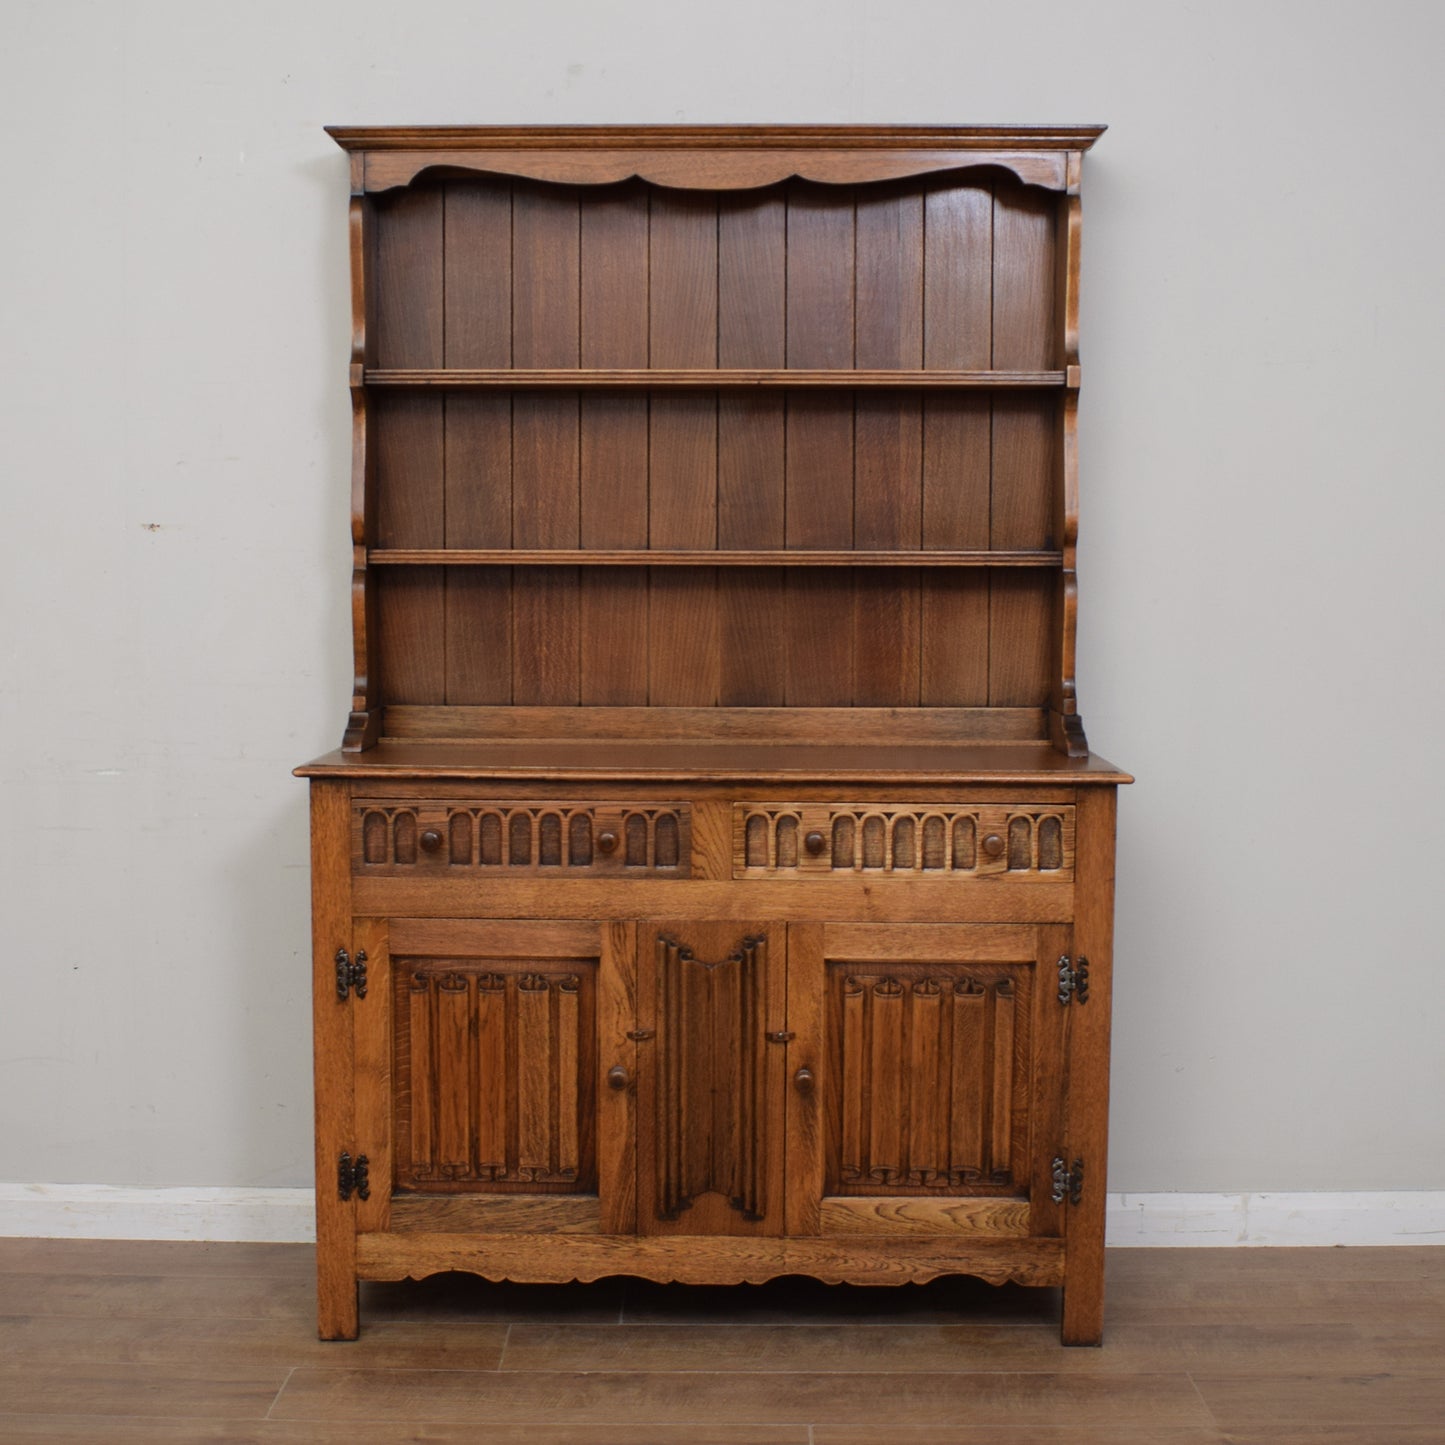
<point>711,1079</point>
<point>714,882</point>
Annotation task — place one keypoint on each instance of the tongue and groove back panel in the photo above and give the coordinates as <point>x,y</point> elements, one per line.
<point>954,273</point>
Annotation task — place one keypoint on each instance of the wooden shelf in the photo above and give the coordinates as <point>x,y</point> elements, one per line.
<point>710,379</point>
<point>774,557</point>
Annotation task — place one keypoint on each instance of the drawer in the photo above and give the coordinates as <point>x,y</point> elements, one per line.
<point>926,840</point>
<point>519,838</point>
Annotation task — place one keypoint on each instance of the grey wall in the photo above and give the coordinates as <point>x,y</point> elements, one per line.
<point>1262,589</point>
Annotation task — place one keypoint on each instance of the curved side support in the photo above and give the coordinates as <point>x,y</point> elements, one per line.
<point>712,170</point>
<point>1066,727</point>
<point>364,725</point>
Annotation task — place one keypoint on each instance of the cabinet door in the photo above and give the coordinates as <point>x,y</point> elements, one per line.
<point>711,1007</point>
<point>927,1079</point>
<point>501,1113</point>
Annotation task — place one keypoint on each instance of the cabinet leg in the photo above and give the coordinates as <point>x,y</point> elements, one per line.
<point>338,1315</point>
<point>1083,1322</point>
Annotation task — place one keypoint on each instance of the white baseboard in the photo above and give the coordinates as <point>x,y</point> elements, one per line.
<point>1413,1216</point>
<point>287,1216</point>
<point>108,1211</point>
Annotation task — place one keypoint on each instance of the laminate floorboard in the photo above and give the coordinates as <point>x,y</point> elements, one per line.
<point>157,1341</point>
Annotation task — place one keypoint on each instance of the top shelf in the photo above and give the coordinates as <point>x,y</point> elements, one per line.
<point>711,379</point>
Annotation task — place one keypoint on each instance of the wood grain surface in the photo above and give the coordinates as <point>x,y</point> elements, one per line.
<point>138,1342</point>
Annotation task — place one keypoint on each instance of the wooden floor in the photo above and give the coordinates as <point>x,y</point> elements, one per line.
<point>117,1341</point>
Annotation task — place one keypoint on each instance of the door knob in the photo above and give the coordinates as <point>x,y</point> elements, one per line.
<point>803,1081</point>
<point>617,1077</point>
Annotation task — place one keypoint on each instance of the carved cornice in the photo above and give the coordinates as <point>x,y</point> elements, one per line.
<point>713,157</point>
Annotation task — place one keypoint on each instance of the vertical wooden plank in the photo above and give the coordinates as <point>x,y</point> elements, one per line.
<point>566,1078</point>
<point>407,453</point>
<point>371,1031</point>
<point>492,1092</point>
<point>888,304</point>
<point>406,320</point>
<point>477,294</point>
<point>888,443</point>
<point>545,509</point>
<point>1087,1126</point>
<point>479,635</point>
<point>884,1069</point>
<point>683,639</point>
<point>819,486</point>
<point>651,1081</point>
<point>546,295</point>
<point>1025,336</point>
<point>1021,647</point>
<point>453,1080</point>
<point>546,327</point>
<point>958,277</point>
<point>966,1085</point>
<point>1023,613</point>
<point>808,1002</point>
<point>820,275</point>
<point>1025,448</point>
<point>613,484</point>
<point>478,458</point>
<point>957,335</point>
<point>1001,1116</point>
<point>752,319</point>
<point>418,1068</point>
<point>536,1067</point>
<point>406,450</point>
<point>335,1080</point>
<point>922,1155</point>
<point>850,1070</point>
<point>478,455</point>
<point>410,608</point>
<point>617,1117</point>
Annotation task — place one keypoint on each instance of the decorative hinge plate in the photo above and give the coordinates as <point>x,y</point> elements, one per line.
<point>350,973</point>
<point>1073,980</point>
<point>1068,1183</point>
<point>353,1176</point>
<point>641,1036</point>
<point>780,1036</point>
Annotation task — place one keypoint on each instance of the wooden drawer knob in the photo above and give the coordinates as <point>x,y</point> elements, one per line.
<point>617,1077</point>
<point>993,845</point>
<point>803,1081</point>
<point>430,841</point>
<point>606,842</point>
<point>815,843</point>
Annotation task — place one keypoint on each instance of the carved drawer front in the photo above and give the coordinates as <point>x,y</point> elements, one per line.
<point>926,840</point>
<point>400,838</point>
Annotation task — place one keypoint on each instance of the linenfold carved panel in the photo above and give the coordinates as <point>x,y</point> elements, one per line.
<point>710,1091</point>
<point>495,1075</point>
<point>914,839</point>
<point>930,1078</point>
<point>394,838</point>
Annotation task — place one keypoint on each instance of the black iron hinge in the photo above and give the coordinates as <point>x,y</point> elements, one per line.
<point>1073,980</point>
<point>1068,1183</point>
<point>350,973</point>
<point>353,1176</point>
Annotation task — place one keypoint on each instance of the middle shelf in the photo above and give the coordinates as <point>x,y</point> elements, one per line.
<point>716,378</point>
<point>692,557</point>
